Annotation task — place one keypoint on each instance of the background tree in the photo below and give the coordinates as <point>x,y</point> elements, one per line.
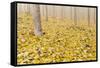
<point>28,8</point>
<point>94,16</point>
<point>62,13</point>
<point>46,9</point>
<point>54,15</point>
<point>88,17</point>
<point>37,21</point>
<point>75,15</point>
<point>71,13</point>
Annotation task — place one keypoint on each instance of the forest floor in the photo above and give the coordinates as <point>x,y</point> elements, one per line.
<point>61,42</point>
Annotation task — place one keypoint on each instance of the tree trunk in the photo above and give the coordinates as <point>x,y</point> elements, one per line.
<point>62,13</point>
<point>88,17</point>
<point>46,8</point>
<point>75,15</point>
<point>37,21</point>
<point>94,16</point>
<point>28,8</point>
<point>71,13</point>
<point>54,14</point>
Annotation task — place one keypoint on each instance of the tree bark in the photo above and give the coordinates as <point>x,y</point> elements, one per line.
<point>46,8</point>
<point>75,15</point>
<point>70,13</point>
<point>37,21</point>
<point>54,14</point>
<point>94,16</point>
<point>62,12</point>
<point>28,8</point>
<point>88,17</point>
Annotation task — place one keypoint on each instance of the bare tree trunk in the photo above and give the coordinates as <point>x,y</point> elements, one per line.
<point>94,16</point>
<point>62,12</point>
<point>46,8</point>
<point>43,11</point>
<point>75,15</point>
<point>37,21</point>
<point>28,8</point>
<point>71,13</point>
<point>88,17</point>
<point>54,14</point>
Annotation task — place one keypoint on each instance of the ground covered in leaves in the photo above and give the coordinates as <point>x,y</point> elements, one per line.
<point>61,42</point>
